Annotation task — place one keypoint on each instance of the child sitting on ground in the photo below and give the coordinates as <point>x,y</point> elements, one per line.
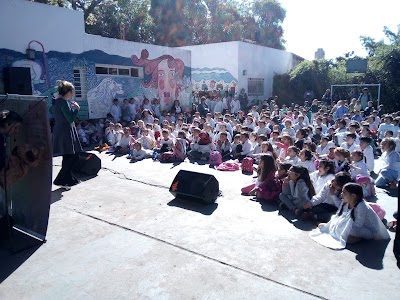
<point>123,146</point>
<point>297,190</point>
<point>137,153</point>
<point>368,152</point>
<point>342,160</point>
<point>223,145</point>
<point>358,166</point>
<point>165,143</point>
<point>267,186</point>
<point>306,160</point>
<point>201,146</point>
<point>292,157</point>
<point>244,148</point>
<point>350,143</point>
<point>390,170</point>
<point>324,174</point>
<point>283,170</point>
<point>359,221</point>
<point>326,202</point>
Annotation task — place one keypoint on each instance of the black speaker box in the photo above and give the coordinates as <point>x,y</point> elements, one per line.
<point>195,186</point>
<point>17,80</point>
<point>88,164</point>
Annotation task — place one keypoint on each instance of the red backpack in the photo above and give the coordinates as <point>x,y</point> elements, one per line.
<point>247,165</point>
<point>215,158</point>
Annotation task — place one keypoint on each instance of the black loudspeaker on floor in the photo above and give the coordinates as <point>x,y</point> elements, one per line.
<point>195,186</point>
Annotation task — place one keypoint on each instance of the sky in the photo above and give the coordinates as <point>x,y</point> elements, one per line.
<point>336,25</point>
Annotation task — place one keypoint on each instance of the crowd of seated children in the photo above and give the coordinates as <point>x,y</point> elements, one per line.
<point>307,146</point>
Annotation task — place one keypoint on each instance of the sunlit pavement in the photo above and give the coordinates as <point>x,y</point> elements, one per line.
<point>121,235</point>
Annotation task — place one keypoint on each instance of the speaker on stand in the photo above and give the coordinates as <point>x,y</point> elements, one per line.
<point>17,80</point>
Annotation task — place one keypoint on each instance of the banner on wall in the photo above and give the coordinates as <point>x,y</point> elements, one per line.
<point>29,160</point>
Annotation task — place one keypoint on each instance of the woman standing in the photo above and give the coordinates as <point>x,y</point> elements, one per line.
<point>65,136</point>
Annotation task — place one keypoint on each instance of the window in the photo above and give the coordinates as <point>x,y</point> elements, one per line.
<point>119,71</point>
<point>80,82</point>
<point>255,86</point>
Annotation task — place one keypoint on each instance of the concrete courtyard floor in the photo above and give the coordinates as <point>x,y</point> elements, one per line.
<point>121,235</point>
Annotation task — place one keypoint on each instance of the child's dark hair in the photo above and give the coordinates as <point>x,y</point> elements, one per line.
<point>295,149</point>
<point>307,154</point>
<point>359,153</point>
<point>245,134</point>
<point>351,135</point>
<point>285,166</point>
<point>289,138</point>
<point>390,132</point>
<point>271,149</point>
<point>303,132</point>
<point>342,178</point>
<point>312,146</point>
<point>355,189</point>
<point>64,87</point>
<point>263,137</point>
<point>269,166</point>
<point>303,172</point>
<point>328,164</point>
<point>342,151</point>
<point>366,139</point>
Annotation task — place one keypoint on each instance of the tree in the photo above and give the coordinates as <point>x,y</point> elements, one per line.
<point>169,20</point>
<point>109,17</point>
<point>268,16</point>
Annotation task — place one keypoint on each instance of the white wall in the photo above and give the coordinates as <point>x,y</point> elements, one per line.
<point>57,28</point>
<point>221,55</point>
<point>127,48</point>
<point>262,62</point>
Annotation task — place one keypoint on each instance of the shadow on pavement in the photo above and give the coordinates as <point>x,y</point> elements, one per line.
<point>296,221</point>
<point>56,195</point>
<point>203,208</point>
<point>269,206</point>
<point>370,253</point>
<point>11,262</point>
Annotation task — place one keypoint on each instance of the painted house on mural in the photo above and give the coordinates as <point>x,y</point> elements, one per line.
<point>100,68</point>
<point>103,69</point>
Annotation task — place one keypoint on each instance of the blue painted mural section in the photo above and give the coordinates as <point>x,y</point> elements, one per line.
<point>212,79</point>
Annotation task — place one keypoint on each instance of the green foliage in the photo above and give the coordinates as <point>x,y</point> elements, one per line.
<point>383,67</point>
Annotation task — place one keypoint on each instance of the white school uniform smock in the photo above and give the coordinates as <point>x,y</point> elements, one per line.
<point>320,181</point>
<point>308,164</point>
<point>367,224</point>
<point>369,158</point>
<point>361,169</point>
<point>325,196</point>
<point>351,148</point>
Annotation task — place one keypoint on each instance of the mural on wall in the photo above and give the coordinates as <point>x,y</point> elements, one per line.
<point>36,72</point>
<point>100,98</point>
<point>164,79</point>
<point>213,79</point>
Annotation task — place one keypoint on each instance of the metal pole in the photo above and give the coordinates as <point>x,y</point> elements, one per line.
<point>379,94</point>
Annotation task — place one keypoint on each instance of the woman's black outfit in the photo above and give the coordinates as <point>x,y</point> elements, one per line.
<point>65,141</point>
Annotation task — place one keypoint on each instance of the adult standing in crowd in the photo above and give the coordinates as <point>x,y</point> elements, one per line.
<point>364,97</point>
<point>326,97</point>
<point>65,136</point>
<point>243,100</point>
